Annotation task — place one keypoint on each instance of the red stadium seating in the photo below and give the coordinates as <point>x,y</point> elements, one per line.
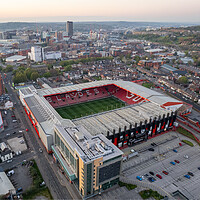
<point>70,98</point>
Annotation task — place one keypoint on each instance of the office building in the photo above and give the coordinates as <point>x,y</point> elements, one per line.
<point>69,28</point>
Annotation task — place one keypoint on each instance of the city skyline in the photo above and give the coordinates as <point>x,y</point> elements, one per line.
<point>145,10</point>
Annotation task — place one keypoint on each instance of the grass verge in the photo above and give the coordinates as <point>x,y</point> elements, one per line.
<point>128,186</point>
<point>36,189</point>
<point>145,194</point>
<point>185,133</point>
<point>188,143</point>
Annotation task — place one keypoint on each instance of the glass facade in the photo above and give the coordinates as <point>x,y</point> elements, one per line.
<point>89,178</point>
<point>68,155</point>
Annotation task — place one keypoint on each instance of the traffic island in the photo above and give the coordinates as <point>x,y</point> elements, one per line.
<point>145,194</point>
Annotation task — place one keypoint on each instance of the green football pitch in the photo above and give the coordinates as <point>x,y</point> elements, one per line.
<point>89,108</point>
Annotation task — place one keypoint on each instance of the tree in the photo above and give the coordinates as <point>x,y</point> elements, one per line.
<point>68,68</point>
<point>183,80</point>
<point>47,74</point>
<point>19,77</point>
<point>54,72</point>
<point>9,68</point>
<point>137,59</point>
<point>28,72</point>
<point>34,76</point>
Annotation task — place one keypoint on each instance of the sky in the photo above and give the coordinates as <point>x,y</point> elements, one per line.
<point>100,10</point>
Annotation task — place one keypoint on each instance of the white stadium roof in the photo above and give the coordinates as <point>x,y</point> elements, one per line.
<point>151,95</point>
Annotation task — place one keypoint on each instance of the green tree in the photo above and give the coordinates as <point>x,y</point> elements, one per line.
<point>19,77</point>
<point>28,72</point>
<point>68,68</point>
<point>54,72</point>
<point>34,76</point>
<point>9,68</point>
<point>183,80</point>
<point>137,59</point>
<point>47,74</point>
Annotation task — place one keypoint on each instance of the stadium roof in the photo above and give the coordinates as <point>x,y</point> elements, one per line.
<point>121,118</point>
<point>151,95</point>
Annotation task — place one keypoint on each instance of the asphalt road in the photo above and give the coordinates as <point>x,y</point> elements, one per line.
<point>44,160</point>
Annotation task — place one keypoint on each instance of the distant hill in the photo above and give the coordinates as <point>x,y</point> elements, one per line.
<point>85,26</point>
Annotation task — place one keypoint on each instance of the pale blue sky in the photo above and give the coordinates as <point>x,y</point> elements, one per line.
<point>99,10</point>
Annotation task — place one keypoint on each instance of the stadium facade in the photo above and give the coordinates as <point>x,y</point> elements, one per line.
<point>86,147</point>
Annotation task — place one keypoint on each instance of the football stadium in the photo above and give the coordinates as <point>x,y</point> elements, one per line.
<point>84,126</point>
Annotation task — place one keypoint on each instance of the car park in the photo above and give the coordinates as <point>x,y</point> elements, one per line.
<point>176,161</point>
<point>190,173</point>
<point>151,173</point>
<point>159,176</point>
<point>165,172</point>
<point>187,176</point>
<point>173,163</point>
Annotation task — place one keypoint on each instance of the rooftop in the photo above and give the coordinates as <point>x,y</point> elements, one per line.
<point>5,183</point>
<point>87,146</point>
<point>168,67</point>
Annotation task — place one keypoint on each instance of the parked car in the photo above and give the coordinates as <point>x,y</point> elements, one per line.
<point>186,156</point>
<point>153,144</point>
<point>173,163</point>
<point>151,173</point>
<point>176,161</point>
<point>8,161</point>
<point>132,150</point>
<point>165,172</point>
<point>187,176</point>
<point>159,176</point>
<point>198,168</point>
<point>190,173</point>
<point>19,190</point>
<point>40,150</point>
<point>139,178</point>
<point>151,149</point>
<point>146,175</point>
<point>174,150</point>
<point>180,144</point>
<point>151,179</point>
<point>26,130</point>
